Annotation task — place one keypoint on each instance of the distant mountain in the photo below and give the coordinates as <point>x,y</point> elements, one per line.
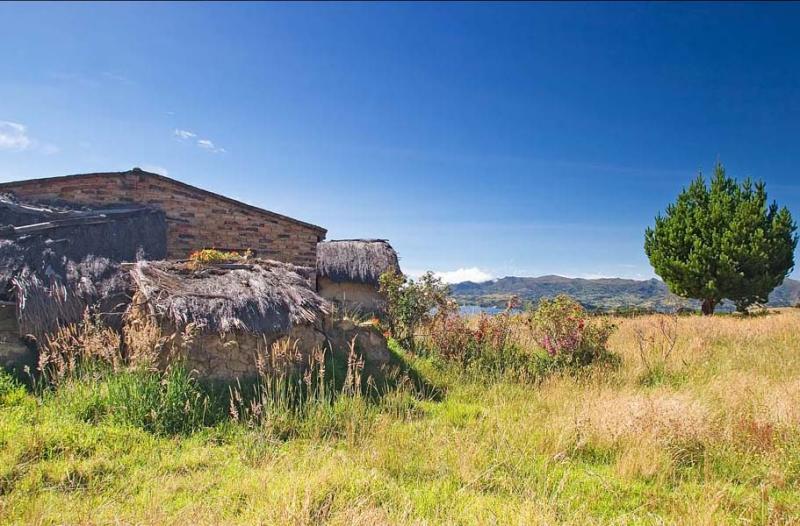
<point>605,294</point>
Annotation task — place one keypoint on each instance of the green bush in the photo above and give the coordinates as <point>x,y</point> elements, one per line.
<point>411,304</point>
<point>563,328</point>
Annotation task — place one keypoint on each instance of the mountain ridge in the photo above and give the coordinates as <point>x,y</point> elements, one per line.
<point>598,293</point>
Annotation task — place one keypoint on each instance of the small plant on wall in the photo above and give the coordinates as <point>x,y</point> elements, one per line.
<point>210,256</point>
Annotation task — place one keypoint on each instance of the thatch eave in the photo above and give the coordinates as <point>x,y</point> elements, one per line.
<point>355,260</point>
<point>261,297</point>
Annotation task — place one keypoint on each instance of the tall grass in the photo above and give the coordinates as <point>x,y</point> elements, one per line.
<point>712,437</point>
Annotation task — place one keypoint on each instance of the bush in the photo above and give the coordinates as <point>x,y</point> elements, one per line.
<point>451,336</point>
<point>563,328</point>
<point>484,347</point>
<point>412,303</point>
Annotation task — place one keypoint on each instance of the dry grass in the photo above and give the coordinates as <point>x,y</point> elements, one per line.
<point>709,436</point>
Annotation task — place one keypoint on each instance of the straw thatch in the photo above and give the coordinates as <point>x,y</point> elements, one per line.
<point>355,260</point>
<point>55,261</point>
<point>45,303</point>
<point>262,296</point>
<point>59,235</point>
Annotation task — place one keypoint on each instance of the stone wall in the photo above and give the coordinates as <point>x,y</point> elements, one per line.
<point>196,219</point>
<point>236,355</point>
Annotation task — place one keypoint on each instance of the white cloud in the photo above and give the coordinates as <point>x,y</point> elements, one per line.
<point>464,274</point>
<point>153,168</point>
<point>14,136</point>
<point>184,134</point>
<point>455,276</point>
<point>208,145</point>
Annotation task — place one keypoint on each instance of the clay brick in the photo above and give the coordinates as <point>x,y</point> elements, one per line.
<point>196,219</point>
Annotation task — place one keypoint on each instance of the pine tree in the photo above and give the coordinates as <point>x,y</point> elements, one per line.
<point>722,242</point>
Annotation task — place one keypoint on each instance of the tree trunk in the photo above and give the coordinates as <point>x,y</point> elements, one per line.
<point>708,307</point>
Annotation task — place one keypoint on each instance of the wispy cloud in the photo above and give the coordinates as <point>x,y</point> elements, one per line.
<point>184,134</point>
<point>14,137</point>
<point>122,79</point>
<point>204,144</point>
<point>208,145</point>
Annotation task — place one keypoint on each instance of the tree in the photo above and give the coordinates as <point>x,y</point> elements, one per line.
<point>722,242</point>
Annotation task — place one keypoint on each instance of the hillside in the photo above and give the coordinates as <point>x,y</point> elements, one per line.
<point>605,293</point>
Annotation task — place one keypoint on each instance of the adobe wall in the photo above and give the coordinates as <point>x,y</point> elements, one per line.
<point>356,297</point>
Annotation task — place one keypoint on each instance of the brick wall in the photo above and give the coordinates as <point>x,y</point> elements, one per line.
<point>195,218</point>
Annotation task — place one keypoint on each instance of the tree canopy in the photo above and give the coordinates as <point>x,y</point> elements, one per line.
<point>722,241</point>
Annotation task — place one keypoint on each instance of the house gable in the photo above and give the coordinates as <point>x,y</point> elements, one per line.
<point>196,218</point>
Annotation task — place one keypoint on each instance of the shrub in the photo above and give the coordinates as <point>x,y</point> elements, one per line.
<point>656,340</point>
<point>563,328</point>
<point>452,337</point>
<point>412,303</point>
<point>485,347</point>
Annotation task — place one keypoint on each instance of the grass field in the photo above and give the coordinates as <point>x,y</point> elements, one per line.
<point>711,435</point>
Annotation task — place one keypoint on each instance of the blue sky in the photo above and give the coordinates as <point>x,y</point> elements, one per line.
<point>521,139</point>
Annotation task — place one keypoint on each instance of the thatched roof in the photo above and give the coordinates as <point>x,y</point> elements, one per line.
<point>45,238</point>
<point>262,296</point>
<point>46,302</point>
<point>355,260</point>
<point>55,261</point>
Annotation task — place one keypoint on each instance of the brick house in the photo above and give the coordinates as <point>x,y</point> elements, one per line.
<point>196,218</point>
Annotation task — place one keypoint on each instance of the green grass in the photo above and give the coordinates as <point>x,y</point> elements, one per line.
<point>711,437</point>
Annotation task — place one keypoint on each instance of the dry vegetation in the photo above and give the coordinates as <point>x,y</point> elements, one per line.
<point>698,424</point>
